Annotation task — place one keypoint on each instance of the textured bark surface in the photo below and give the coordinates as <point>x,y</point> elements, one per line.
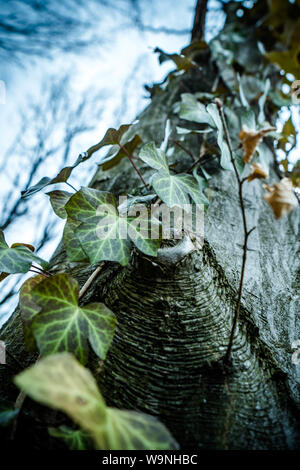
<point>175,314</point>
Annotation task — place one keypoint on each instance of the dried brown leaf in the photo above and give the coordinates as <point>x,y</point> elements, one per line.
<point>258,171</point>
<point>281,198</point>
<point>250,140</point>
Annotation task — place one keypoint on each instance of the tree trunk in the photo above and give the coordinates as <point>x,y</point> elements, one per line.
<point>175,315</point>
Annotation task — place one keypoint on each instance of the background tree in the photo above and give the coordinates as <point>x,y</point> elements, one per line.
<point>167,355</point>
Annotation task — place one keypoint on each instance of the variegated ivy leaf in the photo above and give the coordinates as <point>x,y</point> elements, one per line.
<point>112,137</point>
<point>225,161</point>
<point>103,233</point>
<point>84,208</point>
<point>61,325</point>
<point>154,157</point>
<point>29,309</point>
<point>192,110</point>
<point>72,244</point>
<point>130,430</point>
<point>174,190</point>
<point>58,201</point>
<point>18,258</point>
<point>61,177</point>
<point>60,382</point>
<point>75,439</point>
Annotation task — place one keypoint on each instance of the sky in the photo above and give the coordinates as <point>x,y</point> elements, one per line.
<point>110,72</point>
<point>108,75</point>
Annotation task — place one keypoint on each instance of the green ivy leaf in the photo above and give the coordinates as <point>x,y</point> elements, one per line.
<point>28,309</point>
<point>17,259</point>
<point>174,190</point>
<point>112,137</point>
<point>75,439</point>
<point>97,211</point>
<point>192,110</point>
<point>225,161</point>
<point>83,207</point>
<point>60,382</point>
<point>74,250</point>
<point>37,187</point>
<point>61,325</point>
<point>154,157</point>
<point>58,201</point>
<point>136,431</point>
<point>61,177</point>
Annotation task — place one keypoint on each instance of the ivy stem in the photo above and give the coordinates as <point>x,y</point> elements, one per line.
<point>42,271</point>
<point>134,165</point>
<point>38,272</point>
<point>69,184</point>
<point>204,158</point>
<point>22,395</point>
<point>245,228</point>
<point>187,151</point>
<point>90,280</point>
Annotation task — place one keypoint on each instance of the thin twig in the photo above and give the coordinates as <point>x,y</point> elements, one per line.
<point>246,231</point>
<point>22,395</point>
<point>182,147</point>
<point>202,159</point>
<point>134,165</point>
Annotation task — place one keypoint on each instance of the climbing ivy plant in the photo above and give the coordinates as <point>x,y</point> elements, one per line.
<point>231,122</point>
